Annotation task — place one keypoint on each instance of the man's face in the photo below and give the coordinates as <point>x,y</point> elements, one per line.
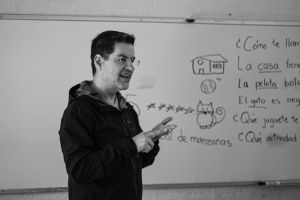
<point>117,70</point>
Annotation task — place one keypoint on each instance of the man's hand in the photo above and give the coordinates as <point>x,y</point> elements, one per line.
<point>144,141</point>
<point>162,129</point>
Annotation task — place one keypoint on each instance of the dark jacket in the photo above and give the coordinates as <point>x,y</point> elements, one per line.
<point>101,158</point>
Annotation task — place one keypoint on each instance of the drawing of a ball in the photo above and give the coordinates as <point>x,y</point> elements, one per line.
<point>208,86</point>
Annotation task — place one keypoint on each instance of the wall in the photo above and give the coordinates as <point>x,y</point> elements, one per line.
<point>212,10</point>
<point>271,10</point>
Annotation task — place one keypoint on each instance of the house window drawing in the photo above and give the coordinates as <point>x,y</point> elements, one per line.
<point>209,64</point>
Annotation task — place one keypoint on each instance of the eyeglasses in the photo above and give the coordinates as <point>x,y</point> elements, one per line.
<point>123,60</point>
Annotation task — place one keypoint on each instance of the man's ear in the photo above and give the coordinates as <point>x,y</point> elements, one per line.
<point>98,59</point>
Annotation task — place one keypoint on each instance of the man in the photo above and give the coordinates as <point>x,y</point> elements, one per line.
<point>103,145</point>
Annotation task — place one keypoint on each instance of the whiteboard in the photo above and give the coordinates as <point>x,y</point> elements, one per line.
<point>233,90</point>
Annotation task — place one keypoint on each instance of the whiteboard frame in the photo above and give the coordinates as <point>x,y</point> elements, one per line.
<point>51,17</point>
<point>282,183</point>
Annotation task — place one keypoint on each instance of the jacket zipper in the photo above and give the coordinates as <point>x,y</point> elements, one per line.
<point>127,123</point>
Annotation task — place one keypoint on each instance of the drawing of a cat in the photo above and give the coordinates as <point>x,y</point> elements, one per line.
<point>207,116</point>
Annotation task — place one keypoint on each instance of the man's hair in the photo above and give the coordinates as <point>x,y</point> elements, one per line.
<point>104,44</point>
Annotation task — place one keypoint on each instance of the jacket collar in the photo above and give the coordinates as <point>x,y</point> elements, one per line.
<point>85,88</point>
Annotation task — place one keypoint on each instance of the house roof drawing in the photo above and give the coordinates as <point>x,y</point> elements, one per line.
<point>213,58</point>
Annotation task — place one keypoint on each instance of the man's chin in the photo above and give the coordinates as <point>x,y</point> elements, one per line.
<point>124,87</point>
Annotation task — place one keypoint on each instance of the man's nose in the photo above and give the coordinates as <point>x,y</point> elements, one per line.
<point>130,66</point>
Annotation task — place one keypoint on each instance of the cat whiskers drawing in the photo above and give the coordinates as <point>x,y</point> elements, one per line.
<point>207,116</point>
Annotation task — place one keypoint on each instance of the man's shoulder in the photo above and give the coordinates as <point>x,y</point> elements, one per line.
<point>82,102</point>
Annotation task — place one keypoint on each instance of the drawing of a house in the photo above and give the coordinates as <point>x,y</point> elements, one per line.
<point>209,64</point>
